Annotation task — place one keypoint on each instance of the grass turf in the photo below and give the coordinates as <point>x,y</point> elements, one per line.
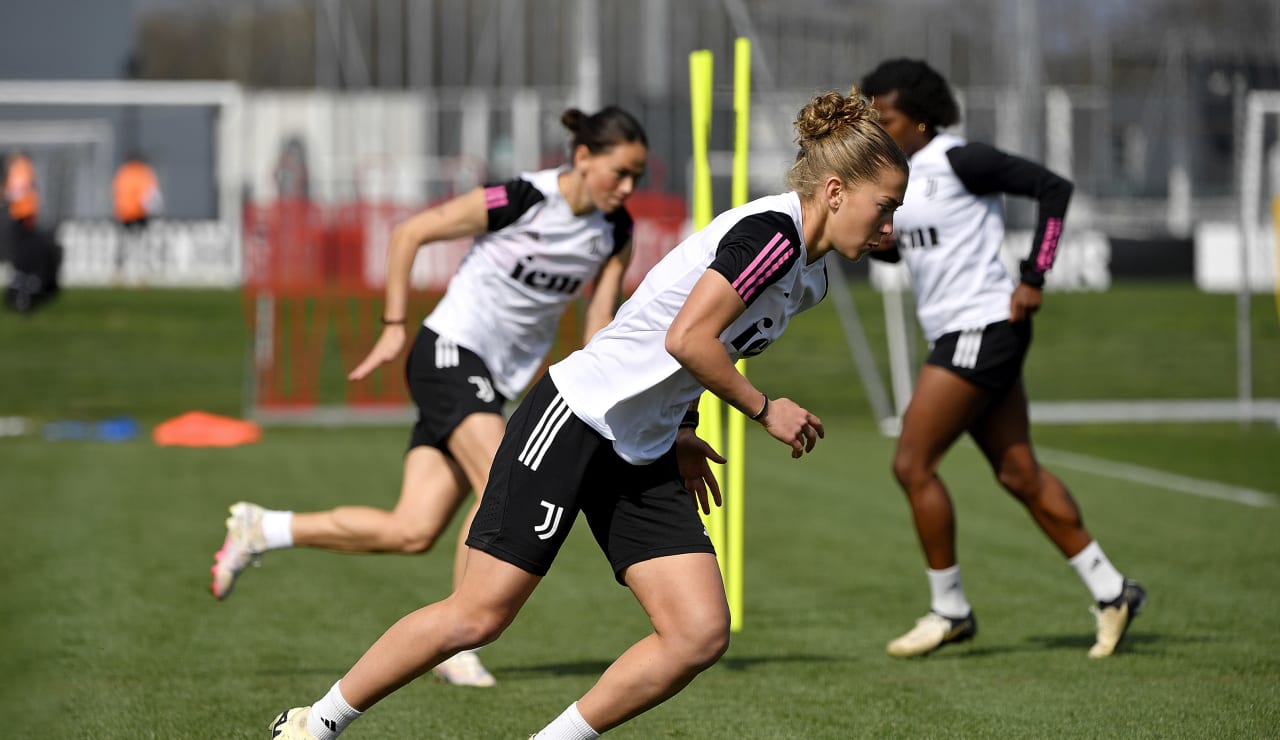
<point>110,631</point>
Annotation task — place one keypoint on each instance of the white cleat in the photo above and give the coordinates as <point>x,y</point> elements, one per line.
<point>291,725</point>
<point>931,632</point>
<point>464,669</point>
<point>243,546</point>
<point>1115,617</point>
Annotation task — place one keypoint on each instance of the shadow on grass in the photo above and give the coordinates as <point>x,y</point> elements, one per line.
<point>1140,642</point>
<point>596,667</point>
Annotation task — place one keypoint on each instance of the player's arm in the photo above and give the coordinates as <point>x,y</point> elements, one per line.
<point>714,303</point>
<point>465,215</point>
<point>983,170</point>
<point>608,288</point>
<point>607,293</point>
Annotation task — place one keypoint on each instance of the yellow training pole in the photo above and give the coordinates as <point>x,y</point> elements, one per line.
<point>735,502</point>
<point>710,408</point>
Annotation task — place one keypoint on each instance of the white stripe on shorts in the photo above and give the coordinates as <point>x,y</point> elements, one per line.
<point>544,432</point>
<point>446,353</point>
<point>968,344</point>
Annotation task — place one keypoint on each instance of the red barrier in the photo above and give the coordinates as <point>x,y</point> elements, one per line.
<point>314,281</point>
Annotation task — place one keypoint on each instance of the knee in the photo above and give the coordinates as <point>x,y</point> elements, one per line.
<point>702,645</point>
<point>911,469</point>
<point>478,627</point>
<point>1022,479</point>
<point>413,538</point>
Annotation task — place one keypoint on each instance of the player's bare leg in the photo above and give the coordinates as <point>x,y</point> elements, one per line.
<point>473,445</point>
<point>684,598</point>
<point>432,489</point>
<point>942,406</point>
<point>491,594</point>
<point>1004,437</point>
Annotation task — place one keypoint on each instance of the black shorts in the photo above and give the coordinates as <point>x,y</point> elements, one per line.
<point>551,465</point>
<point>448,383</point>
<point>990,357</point>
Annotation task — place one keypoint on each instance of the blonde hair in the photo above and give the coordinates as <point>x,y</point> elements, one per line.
<point>838,135</point>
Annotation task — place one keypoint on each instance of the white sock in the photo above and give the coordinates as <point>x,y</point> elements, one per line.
<point>568,726</point>
<point>1099,575</point>
<point>331,715</point>
<point>276,529</point>
<point>947,594</point>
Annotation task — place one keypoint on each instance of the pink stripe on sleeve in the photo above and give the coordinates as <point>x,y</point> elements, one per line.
<point>495,197</point>
<point>760,259</point>
<point>1049,247</point>
<point>763,275</point>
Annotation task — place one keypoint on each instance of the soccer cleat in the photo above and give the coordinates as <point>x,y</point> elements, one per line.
<point>1114,618</point>
<point>931,632</point>
<point>464,669</point>
<point>291,725</point>
<point>242,547</point>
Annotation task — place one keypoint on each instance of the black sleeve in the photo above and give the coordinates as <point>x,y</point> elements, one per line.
<point>622,228</point>
<point>508,201</point>
<point>984,170</point>
<point>757,252</point>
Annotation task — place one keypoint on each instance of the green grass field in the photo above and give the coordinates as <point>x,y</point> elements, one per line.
<point>109,630</point>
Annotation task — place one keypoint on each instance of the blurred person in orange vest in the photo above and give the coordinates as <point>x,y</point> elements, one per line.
<point>135,192</point>
<point>20,190</point>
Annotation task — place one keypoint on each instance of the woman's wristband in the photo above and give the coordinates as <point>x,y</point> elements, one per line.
<point>759,415</point>
<point>391,322</point>
<point>690,420</point>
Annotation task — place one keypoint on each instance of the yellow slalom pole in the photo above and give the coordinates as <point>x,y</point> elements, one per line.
<point>735,503</point>
<point>710,408</point>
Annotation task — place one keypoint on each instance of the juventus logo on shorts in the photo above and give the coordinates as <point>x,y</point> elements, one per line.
<point>544,433</point>
<point>446,353</point>
<point>484,389</point>
<point>968,344</point>
<point>551,523</point>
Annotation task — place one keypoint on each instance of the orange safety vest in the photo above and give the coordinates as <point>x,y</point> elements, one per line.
<point>134,190</point>
<point>20,189</point>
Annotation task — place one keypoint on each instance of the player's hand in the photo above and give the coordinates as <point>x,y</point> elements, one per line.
<point>792,425</point>
<point>692,454</point>
<point>386,349</point>
<point>1025,301</point>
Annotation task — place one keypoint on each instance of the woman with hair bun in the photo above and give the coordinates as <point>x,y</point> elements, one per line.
<point>610,431</point>
<point>540,239</point>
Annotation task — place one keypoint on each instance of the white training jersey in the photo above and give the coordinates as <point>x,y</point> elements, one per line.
<point>624,383</point>
<point>950,239</point>
<point>951,225</point>
<point>506,299</point>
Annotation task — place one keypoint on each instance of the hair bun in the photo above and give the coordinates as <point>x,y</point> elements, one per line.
<point>830,113</point>
<point>573,119</point>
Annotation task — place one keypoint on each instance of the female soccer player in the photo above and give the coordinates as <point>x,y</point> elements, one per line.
<point>978,324</point>
<point>609,432</point>
<point>540,239</point>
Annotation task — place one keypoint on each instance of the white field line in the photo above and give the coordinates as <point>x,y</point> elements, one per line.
<point>1157,478</point>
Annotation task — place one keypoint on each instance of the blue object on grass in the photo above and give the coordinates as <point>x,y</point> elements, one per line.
<point>116,429</point>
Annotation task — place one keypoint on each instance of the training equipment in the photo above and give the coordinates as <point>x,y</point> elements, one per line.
<point>1115,617</point>
<point>243,546</point>
<point>725,524</point>
<point>465,669</point>
<point>931,632</point>
<point>291,725</point>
